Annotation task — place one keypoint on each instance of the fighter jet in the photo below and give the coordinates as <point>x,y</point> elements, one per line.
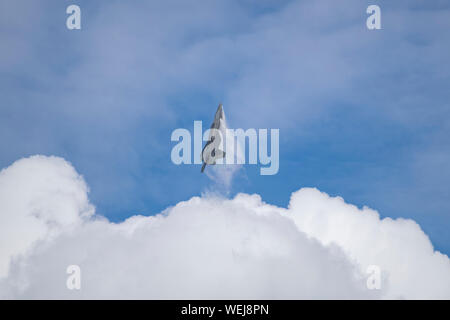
<point>210,156</point>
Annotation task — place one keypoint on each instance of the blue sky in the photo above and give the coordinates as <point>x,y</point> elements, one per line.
<point>362,114</point>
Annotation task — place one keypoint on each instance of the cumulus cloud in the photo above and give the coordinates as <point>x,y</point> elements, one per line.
<point>39,197</point>
<point>206,247</point>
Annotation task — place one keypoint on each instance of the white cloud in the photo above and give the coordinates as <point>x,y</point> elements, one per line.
<point>400,247</point>
<point>207,247</point>
<point>39,197</point>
